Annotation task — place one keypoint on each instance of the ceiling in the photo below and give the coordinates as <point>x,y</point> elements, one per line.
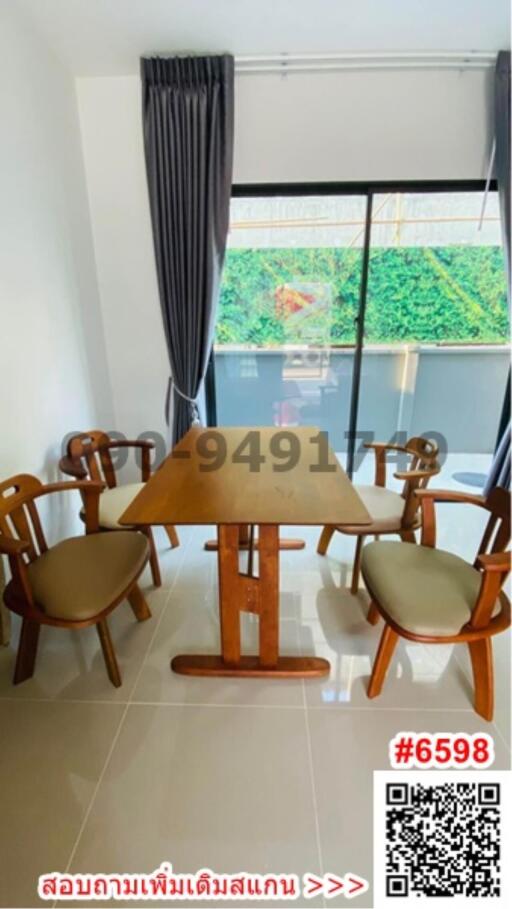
<point>107,37</point>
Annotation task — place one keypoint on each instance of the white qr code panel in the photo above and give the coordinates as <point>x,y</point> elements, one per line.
<point>443,836</point>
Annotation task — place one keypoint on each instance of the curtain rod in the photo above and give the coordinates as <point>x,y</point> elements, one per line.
<point>289,63</point>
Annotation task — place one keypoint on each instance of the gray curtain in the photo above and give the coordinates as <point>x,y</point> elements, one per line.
<point>188,138</point>
<point>499,474</point>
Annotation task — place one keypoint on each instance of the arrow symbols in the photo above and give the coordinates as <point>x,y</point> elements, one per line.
<point>336,885</point>
<point>355,885</point>
<point>331,885</point>
<point>312,885</point>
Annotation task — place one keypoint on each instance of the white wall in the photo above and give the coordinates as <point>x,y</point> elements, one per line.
<point>387,125</point>
<point>49,310</point>
<point>111,122</point>
<point>314,127</point>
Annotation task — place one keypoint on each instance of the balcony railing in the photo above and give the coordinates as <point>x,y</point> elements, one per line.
<point>454,391</point>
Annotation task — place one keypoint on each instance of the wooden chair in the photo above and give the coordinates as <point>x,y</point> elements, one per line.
<point>73,584</point>
<point>429,595</point>
<point>391,512</point>
<point>88,455</point>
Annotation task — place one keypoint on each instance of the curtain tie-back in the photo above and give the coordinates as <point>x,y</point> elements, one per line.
<point>192,401</point>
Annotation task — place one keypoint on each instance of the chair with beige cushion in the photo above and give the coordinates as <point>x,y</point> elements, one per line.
<point>391,512</point>
<point>89,455</point>
<point>433,596</point>
<point>73,584</point>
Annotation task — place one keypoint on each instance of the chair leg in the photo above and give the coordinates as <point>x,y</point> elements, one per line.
<point>153,559</point>
<point>171,532</point>
<point>356,569</point>
<point>138,603</point>
<point>373,614</point>
<point>385,651</point>
<point>109,654</point>
<point>325,539</point>
<point>27,651</point>
<point>407,536</point>
<point>483,676</point>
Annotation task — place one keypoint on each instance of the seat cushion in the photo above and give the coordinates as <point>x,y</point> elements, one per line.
<point>385,508</point>
<point>80,577</point>
<point>425,591</point>
<point>114,502</point>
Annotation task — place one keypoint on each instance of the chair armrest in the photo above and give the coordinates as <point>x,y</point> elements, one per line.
<point>62,486</point>
<point>449,495</point>
<point>416,474</point>
<point>427,497</point>
<point>127,443</point>
<point>72,468</point>
<point>389,446</point>
<point>496,566</point>
<point>495,561</point>
<point>11,547</point>
<point>90,491</point>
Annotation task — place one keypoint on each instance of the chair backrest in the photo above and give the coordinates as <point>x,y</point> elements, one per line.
<point>19,518</point>
<point>497,532</point>
<point>88,449</point>
<point>423,458</point>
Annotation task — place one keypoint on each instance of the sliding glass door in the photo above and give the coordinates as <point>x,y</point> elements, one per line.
<point>435,355</point>
<point>286,332</point>
<point>368,312</point>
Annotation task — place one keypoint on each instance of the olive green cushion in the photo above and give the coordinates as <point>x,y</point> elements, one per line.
<point>114,502</point>
<point>425,591</point>
<point>385,508</point>
<point>80,577</point>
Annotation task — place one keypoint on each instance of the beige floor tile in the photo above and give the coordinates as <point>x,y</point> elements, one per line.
<point>51,757</point>
<point>226,788</point>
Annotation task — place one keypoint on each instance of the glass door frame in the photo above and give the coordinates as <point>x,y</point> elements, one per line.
<point>369,190</point>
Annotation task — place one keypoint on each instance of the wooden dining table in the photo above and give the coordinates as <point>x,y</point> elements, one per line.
<point>240,479</point>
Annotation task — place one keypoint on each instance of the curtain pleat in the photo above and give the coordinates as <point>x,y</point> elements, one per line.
<point>188,120</point>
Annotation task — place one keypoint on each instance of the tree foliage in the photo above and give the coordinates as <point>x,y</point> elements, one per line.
<point>415,294</point>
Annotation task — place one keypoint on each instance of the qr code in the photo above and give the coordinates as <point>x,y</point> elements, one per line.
<point>441,838</point>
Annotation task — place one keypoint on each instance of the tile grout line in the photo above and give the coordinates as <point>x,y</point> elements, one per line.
<point>127,705</point>
<point>311,772</point>
<point>314,707</point>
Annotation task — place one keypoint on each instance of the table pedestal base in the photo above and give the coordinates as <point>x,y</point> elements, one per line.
<point>250,667</point>
<point>247,592</point>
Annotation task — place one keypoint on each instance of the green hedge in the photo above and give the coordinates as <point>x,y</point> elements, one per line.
<point>415,294</point>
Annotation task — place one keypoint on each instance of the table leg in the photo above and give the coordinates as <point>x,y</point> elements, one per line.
<point>245,592</point>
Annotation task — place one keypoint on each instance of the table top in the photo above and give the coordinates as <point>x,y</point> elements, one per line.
<point>248,475</point>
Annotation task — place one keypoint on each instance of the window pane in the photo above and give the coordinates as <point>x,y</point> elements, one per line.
<point>434,277</point>
<point>289,297</point>
<point>435,358</point>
